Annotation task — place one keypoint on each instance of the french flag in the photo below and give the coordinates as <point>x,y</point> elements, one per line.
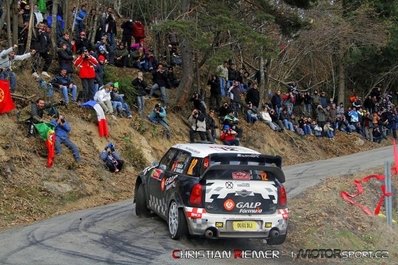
<point>102,123</point>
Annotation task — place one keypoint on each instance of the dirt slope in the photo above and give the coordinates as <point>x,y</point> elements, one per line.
<point>29,191</point>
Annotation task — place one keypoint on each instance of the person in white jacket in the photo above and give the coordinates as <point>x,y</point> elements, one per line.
<point>103,97</point>
<point>7,57</point>
<point>266,118</point>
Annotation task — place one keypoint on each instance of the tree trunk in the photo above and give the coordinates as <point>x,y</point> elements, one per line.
<point>93,32</point>
<point>184,89</point>
<point>54,26</point>
<point>3,4</point>
<point>66,9</point>
<point>341,74</point>
<point>8,11</point>
<point>261,86</point>
<point>31,26</point>
<point>14,22</point>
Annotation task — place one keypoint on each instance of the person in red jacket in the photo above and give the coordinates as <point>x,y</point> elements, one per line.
<point>85,64</point>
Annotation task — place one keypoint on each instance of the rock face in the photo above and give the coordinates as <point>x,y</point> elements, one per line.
<point>359,142</point>
<point>57,188</point>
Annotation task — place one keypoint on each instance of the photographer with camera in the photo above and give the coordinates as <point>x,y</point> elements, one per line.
<point>111,158</point>
<point>62,130</point>
<point>197,123</point>
<point>85,64</point>
<point>158,116</point>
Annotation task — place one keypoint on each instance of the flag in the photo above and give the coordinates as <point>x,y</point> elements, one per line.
<point>46,132</point>
<point>6,102</point>
<point>102,123</point>
<point>395,166</point>
<point>41,5</point>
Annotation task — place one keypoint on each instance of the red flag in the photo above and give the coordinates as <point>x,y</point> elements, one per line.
<point>6,103</point>
<point>395,166</point>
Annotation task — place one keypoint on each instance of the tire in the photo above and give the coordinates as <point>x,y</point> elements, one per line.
<point>277,241</point>
<point>176,222</point>
<point>141,208</point>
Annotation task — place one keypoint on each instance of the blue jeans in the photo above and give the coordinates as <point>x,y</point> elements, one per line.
<point>307,129</point>
<point>140,104</point>
<point>120,106</point>
<point>288,125</point>
<point>223,85</point>
<point>68,143</point>
<point>163,96</point>
<point>7,74</point>
<point>65,91</point>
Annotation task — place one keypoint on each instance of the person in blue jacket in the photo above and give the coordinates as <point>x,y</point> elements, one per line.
<point>62,130</point>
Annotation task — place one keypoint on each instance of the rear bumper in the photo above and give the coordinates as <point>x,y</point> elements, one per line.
<point>224,225</point>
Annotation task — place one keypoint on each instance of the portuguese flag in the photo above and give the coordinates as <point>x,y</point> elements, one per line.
<point>46,132</point>
<point>6,103</point>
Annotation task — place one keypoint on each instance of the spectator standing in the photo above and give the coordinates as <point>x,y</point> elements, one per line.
<point>41,42</point>
<point>215,95</point>
<point>110,27</point>
<point>253,95</point>
<point>65,58</point>
<point>127,33</point>
<point>197,125</point>
<point>82,43</point>
<point>85,64</point>
<point>7,57</point>
<point>80,17</point>
<point>140,89</point>
<point>160,83</point>
<point>222,74</point>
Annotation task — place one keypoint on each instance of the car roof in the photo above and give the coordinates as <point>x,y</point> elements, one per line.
<point>203,150</point>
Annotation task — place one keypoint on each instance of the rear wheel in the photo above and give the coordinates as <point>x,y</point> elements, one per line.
<point>277,241</point>
<point>176,222</point>
<point>140,202</point>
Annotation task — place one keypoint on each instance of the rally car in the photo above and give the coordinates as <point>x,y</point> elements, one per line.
<point>216,191</point>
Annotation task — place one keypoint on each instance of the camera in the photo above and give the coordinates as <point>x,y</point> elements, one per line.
<point>86,56</point>
<point>62,120</point>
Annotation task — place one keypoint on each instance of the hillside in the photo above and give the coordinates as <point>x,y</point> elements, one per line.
<point>30,191</point>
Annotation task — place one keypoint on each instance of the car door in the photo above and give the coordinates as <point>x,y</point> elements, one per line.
<point>175,176</point>
<point>157,200</point>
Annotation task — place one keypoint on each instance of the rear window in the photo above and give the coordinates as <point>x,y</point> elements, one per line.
<point>238,174</point>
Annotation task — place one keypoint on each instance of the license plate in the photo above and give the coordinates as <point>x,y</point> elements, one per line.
<point>245,226</point>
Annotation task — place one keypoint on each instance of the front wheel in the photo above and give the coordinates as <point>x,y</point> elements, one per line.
<point>141,208</point>
<point>177,222</point>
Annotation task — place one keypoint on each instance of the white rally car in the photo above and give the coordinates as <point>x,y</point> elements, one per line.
<point>216,191</point>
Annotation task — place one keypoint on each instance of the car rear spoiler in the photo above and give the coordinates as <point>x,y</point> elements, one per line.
<point>275,171</point>
<point>260,158</point>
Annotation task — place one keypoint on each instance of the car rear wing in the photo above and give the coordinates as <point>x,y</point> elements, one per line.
<point>260,159</point>
<point>276,172</point>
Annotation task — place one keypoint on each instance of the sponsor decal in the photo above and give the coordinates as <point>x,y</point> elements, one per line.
<point>170,182</point>
<point>162,185</point>
<point>248,155</point>
<point>157,173</point>
<point>194,213</point>
<point>244,193</point>
<point>192,166</point>
<point>241,175</point>
<point>219,224</point>
<point>249,207</point>
<point>229,205</point>
<point>284,213</point>
<point>229,185</point>
<point>243,185</point>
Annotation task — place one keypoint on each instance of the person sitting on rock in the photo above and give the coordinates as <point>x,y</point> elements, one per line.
<point>103,97</point>
<point>111,158</point>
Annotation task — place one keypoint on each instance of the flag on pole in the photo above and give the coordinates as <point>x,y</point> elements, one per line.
<point>6,102</point>
<point>46,132</point>
<point>102,122</point>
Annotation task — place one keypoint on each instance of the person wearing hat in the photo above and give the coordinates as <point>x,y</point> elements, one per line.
<point>85,64</point>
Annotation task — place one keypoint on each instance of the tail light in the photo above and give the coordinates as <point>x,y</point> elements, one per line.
<point>282,198</point>
<point>196,195</point>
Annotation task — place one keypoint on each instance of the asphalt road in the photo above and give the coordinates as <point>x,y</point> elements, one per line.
<point>112,234</point>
